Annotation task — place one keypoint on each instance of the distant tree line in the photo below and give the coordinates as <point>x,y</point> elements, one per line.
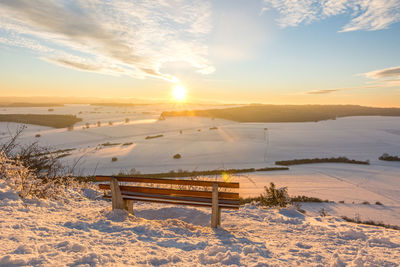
<point>55,121</point>
<point>388,157</point>
<point>320,160</point>
<point>28,105</point>
<point>287,113</point>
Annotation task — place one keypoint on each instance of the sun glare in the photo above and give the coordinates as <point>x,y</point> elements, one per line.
<point>179,93</point>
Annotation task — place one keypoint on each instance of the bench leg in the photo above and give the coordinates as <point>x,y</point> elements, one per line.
<point>215,208</point>
<point>129,206</point>
<point>219,217</point>
<point>117,202</point>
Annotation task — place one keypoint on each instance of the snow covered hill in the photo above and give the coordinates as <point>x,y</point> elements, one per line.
<point>77,230</point>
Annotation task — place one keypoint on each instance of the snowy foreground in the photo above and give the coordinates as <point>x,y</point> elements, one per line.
<point>82,231</point>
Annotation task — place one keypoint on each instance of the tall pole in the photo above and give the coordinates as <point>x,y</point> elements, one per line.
<point>266,141</point>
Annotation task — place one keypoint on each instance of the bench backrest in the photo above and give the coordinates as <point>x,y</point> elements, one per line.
<point>187,196</point>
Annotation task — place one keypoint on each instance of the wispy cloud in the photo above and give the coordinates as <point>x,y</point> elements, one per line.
<point>365,14</point>
<point>323,91</point>
<point>393,72</point>
<point>389,77</point>
<point>131,37</point>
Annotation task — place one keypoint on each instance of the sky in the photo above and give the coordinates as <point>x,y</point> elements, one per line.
<point>221,51</point>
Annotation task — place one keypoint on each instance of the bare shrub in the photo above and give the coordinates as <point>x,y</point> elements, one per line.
<point>40,160</point>
<point>25,182</point>
<point>323,212</point>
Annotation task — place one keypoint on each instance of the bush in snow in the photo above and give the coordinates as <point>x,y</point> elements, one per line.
<point>25,182</point>
<point>275,197</point>
<point>323,212</point>
<point>40,160</point>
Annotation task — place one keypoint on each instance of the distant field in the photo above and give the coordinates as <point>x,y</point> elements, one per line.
<point>114,104</point>
<point>55,121</point>
<point>29,105</point>
<point>286,113</point>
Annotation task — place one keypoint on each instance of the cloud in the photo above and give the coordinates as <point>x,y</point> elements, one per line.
<point>135,37</point>
<point>367,15</point>
<point>323,91</point>
<point>389,77</point>
<point>384,73</point>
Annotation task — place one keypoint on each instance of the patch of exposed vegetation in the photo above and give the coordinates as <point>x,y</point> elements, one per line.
<point>287,113</point>
<point>272,169</point>
<point>110,144</point>
<point>55,121</point>
<point>388,157</point>
<point>370,222</point>
<point>308,199</point>
<point>320,160</point>
<point>154,136</point>
<point>183,173</point>
<point>177,156</point>
<point>293,200</point>
<point>127,144</point>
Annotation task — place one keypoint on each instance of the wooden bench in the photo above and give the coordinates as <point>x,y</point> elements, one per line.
<point>155,191</point>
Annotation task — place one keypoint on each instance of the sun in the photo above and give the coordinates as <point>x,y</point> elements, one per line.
<point>179,93</point>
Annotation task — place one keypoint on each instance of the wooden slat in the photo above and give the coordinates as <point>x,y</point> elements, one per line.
<point>189,203</point>
<point>185,198</point>
<point>165,181</point>
<point>175,192</point>
<point>222,206</point>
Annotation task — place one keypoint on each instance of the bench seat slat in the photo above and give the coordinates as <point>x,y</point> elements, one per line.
<point>171,197</point>
<point>190,203</point>
<point>174,192</point>
<point>166,181</point>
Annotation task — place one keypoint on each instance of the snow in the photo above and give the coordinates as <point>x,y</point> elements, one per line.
<point>86,232</point>
<point>81,229</point>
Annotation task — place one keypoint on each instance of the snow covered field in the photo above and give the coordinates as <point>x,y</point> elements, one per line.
<point>87,232</point>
